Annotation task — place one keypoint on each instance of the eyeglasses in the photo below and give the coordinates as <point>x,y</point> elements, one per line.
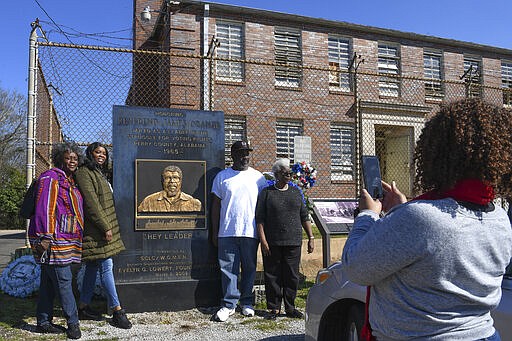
<point>285,173</point>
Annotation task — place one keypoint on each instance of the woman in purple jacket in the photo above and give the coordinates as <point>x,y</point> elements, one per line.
<point>55,234</point>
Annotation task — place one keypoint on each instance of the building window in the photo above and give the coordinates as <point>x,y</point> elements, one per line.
<point>288,51</point>
<point>389,64</point>
<point>231,39</point>
<point>506,82</point>
<point>339,60</point>
<point>285,132</point>
<point>432,73</point>
<point>472,76</point>
<point>235,129</point>
<point>342,152</point>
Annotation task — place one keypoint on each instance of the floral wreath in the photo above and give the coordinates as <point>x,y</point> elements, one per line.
<point>303,178</point>
<point>304,174</point>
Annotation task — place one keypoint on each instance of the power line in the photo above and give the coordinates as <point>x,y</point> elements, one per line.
<point>77,33</point>
<point>81,52</point>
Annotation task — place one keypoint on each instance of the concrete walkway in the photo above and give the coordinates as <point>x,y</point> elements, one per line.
<point>10,240</point>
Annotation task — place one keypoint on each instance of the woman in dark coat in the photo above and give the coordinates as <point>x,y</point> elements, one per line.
<point>102,238</point>
<point>280,216</point>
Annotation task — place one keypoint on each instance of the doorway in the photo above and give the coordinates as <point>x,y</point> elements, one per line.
<point>393,146</point>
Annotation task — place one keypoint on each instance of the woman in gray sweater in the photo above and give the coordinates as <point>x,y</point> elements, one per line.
<point>435,264</point>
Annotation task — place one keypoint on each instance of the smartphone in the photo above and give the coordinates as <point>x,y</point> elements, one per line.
<point>371,176</point>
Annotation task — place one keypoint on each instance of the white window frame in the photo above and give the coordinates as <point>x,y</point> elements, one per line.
<point>342,152</point>
<point>235,129</point>
<point>389,64</point>
<point>339,54</point>
<point>288,50</point>
<point>433,74</point>
<point>506,82</point>
<point>231,36</point>
<point>286,130</point>
<point>473,79</point>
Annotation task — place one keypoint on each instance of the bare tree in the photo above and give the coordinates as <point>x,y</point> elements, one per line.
<point>13,129</point>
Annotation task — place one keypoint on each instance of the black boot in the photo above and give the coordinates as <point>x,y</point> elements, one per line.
<point>120,320</point>
<point>73,331</point>
<point>87,313</point>
<point>50,328</point>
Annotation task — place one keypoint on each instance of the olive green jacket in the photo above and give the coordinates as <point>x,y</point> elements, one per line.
<point>99,216</point>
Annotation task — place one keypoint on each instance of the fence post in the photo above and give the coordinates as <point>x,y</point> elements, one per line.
<point>210,97</point>
<point>358,120</point>
<point>31,112</point>
<point>214,43</point>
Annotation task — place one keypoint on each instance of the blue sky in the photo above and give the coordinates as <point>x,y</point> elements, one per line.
<point>480,21</point>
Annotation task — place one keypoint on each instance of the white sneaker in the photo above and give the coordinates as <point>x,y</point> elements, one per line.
<point>247,310</point>
<point>224,313</point>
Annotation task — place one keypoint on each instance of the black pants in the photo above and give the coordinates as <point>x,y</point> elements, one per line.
<point>281,270</point>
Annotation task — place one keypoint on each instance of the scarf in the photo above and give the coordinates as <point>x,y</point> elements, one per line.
<point>472,191</point>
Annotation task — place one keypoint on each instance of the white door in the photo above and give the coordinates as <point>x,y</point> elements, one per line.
<point>398,161</point>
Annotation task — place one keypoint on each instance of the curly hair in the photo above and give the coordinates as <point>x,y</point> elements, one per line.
<point>89,160</point>
<point>59,149</point>
<point>465,139</point>
<point>280,164</point>
<point>171,168</point>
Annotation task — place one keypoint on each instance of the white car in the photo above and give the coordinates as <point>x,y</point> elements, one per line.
<point>335,307</point>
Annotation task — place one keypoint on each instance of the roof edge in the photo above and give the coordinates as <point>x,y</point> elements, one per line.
<point>346,25</point>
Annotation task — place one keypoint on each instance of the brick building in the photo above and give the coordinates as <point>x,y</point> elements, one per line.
<point>48,127</point>
<point>353,89</point>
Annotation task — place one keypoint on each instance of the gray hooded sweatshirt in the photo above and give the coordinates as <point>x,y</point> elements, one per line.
<point>435,269</point>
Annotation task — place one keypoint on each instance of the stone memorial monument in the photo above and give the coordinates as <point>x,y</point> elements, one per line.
<point>164,162</point>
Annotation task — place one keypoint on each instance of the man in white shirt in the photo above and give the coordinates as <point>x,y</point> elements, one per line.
<point>235,193</point>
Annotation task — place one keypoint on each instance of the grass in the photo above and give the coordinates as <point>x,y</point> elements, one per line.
<point>300,300</point>
<point>17,315</point>
<point>315,230</point>
<point>15,310</point>
<point>302,294</point>
<point>265,325</point>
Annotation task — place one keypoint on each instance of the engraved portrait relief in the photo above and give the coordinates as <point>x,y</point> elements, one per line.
<point>171,198</point>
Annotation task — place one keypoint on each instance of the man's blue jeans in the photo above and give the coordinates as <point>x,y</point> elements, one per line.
<point>56,279</point>
<point>233,253</point>
<point>105,267</point>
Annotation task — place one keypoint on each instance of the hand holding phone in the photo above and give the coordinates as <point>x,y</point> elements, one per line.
<point>393,196</point>
<point>366,202</point>
<point>371,176</point>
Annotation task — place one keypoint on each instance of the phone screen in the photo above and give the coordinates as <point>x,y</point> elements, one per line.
<point>371,176</point>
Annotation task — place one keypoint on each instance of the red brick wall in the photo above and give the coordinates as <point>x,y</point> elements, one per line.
<point>48,128</point>
<point>262,103</point>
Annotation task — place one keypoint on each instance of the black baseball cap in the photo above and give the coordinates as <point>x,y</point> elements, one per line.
<point>240,145</point>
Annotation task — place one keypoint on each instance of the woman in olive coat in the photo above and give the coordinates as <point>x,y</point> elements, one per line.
<point>102,239</point>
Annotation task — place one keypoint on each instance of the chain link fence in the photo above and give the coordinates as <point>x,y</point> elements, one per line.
<point>346,114</point>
